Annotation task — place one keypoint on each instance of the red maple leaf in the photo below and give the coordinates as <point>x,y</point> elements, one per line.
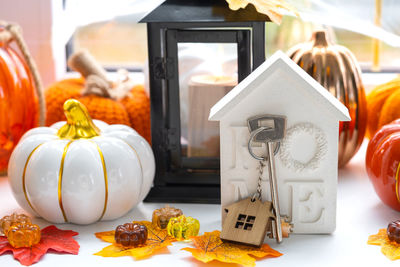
<point>52,238</point>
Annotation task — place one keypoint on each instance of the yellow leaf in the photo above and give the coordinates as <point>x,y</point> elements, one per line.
<point>156,240</point>
<point>210,247</point>
<point>113,250</point>
<point>106,236</point>
<point>272,8</point>
<point>389,248</point>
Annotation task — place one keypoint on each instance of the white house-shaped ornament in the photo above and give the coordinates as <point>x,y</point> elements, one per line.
<point>307,161</point>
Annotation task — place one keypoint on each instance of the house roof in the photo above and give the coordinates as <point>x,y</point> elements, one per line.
<point>266,204</point>
<point>202,11</point>
<point>279,60</point>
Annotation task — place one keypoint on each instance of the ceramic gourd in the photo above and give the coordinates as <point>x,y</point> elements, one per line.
<point>81,171</point>
<point>382,162</point>
<point>336,69</point>
<point>383,105</point>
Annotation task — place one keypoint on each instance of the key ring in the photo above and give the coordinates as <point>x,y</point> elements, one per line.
<point>252,135</point>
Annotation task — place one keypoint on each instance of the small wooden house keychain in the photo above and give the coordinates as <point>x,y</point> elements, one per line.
<point>250,219</point>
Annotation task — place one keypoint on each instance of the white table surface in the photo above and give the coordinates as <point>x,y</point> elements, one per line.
<point>359,214</point>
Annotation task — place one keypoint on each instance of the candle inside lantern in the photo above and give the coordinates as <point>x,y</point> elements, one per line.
<point>204,92</point>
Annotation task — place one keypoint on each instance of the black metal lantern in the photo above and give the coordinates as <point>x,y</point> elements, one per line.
<point>186,172</point>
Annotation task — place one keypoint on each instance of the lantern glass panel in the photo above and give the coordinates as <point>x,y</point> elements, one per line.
<point>207,72</point>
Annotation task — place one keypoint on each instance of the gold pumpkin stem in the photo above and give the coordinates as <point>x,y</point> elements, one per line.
<point>320,38</point>
<point>79,123</point>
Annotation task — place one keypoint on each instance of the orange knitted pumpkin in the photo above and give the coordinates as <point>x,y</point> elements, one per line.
<point>383,105</point>
<point>57,94</point>
<point>131,107</point>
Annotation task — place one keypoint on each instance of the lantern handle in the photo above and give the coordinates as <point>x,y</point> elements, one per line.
<point>13,32</point>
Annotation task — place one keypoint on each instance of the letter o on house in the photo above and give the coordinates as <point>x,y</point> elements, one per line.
<point>303,147</point>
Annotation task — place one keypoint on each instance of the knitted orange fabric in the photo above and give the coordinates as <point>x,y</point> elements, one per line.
<point>138,107</point>
<point>57,93</point>
<point>105,109</point>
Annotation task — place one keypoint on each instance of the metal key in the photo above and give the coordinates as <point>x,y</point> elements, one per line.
<point>269,129</point>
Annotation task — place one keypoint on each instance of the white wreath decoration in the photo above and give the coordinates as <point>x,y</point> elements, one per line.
<point>314,162</point>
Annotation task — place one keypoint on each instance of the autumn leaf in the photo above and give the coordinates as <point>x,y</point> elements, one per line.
<point>52,238</point>
<point>389,248</point>
<point>210,247</point>
<point>156,240</point>
<point>272,8</point>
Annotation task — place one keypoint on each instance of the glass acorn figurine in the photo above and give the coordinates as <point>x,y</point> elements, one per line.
<point>393,231</point>
<point>162,216</point>
<point>7,221</point>
<point>23,235</point>
<point>131,234</point>
<point>183,227</point>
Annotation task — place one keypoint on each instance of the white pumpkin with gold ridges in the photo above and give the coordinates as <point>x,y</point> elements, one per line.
<point>81,171</point>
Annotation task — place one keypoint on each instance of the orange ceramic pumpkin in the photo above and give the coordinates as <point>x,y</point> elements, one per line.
<point>383,105</point>
<point>19,106</point>
<point>383,163</point>
<point>132,109</point>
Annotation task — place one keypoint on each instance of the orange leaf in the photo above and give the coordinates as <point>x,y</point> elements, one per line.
<point>156,240</point>
<point>106,236</point>
<point>389,248</point>
<point>52,239</point>
<point>210,247</point>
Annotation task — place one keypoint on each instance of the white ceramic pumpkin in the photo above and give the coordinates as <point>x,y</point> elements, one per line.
<point>81,171</point>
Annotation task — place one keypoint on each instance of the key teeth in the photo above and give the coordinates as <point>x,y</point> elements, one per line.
<point>286,229</point>
<point>287,226</point>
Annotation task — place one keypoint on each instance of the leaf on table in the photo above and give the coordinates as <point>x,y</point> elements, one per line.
<point>52,238</point>
<point>210,247</point>
<point>272,8</point>
<point>389,248</point>
<point>106,236</point>
<point>156,240</point>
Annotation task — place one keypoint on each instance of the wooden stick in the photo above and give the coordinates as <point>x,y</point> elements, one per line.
<point>84,63</point>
